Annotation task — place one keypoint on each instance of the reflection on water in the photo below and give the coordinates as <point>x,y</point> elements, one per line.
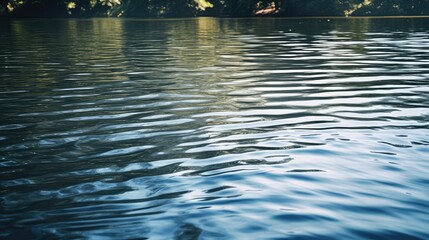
<point>214,128</point>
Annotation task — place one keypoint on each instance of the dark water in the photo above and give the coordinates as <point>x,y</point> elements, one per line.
<point>214,129</point>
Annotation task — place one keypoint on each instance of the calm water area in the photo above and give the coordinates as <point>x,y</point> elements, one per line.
<point>205,128</point>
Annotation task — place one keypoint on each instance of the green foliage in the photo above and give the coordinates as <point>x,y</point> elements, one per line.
<point>37,8</point>
<point>395,7</point>
<point>317,7</point>
<point>56,8</point>
<point>228,8</point>
<point>236,8</point>
<point>161,8</point>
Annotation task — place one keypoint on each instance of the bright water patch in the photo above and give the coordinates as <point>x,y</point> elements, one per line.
<point>214,128</point>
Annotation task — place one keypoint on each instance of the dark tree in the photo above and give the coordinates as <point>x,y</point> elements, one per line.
<point>221,8</point>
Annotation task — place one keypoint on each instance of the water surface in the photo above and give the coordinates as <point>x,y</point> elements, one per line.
<point>214,129</point>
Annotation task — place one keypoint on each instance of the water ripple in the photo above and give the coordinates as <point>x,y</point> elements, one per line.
<point>214,128</point>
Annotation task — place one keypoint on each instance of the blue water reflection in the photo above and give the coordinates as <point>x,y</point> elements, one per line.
<point>214,128</point>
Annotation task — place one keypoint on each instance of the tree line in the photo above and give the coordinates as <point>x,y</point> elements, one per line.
<point>219,8</point>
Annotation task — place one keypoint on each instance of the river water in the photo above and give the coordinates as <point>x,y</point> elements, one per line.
<point>206,128</point>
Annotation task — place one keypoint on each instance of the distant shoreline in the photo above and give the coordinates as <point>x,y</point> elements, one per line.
<point>227,17</point>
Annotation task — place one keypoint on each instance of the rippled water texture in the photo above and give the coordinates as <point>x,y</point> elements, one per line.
<point>214,128</point>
